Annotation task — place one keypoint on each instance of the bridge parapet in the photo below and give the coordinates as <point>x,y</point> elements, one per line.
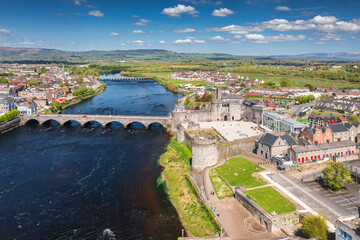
<point>102,119</point>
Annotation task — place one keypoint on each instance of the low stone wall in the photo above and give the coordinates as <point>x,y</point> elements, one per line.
<point>10,125</point>
<point>271,223</point>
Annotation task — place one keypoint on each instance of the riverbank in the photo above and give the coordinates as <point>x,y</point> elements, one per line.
<point>173,180</point>
<point>78,100</point>
<point>10,125</point>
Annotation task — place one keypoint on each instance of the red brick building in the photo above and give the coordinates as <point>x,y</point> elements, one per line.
<point>317,135</point>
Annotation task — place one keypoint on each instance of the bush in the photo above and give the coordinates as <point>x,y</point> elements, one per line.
<point>10,115</point>
<point>314,227</point>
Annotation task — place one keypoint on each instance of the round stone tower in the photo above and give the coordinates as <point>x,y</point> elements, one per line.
<point>204,152</point>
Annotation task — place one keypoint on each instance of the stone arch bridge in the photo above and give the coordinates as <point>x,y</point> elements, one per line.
<point>104,120</point>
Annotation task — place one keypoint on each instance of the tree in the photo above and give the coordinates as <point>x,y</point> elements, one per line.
<point>197,98</point>
<point>4,80</point>
<point>284,82</point>
<point>314,227</point>
<point>311,87</point>
<point>353,119</point>
<point>336,174</point>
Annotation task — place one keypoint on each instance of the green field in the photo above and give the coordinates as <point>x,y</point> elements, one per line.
<point>300,81</point>
<point>270,200</point>
<point>221,188</point>
<point>237,172</point>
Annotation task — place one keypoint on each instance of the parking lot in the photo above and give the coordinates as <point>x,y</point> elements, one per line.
<point>333,205</point>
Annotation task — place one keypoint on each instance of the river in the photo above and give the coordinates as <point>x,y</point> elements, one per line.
<point>74,183</point>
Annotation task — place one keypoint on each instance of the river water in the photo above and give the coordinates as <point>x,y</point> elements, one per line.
<point>74,183</point>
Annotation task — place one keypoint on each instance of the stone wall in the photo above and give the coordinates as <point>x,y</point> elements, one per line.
<point>10,125</point>
<point>271,223</point>
<point>234,148</point>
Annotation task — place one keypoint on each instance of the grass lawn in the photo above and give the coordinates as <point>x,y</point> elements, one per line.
<point>243,168</point>
<point>221,188</point>
<point>194,216</point>
<point>328,114</point>
<point>270,200</point>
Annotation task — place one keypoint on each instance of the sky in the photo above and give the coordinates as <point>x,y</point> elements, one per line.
<point>241,27</point>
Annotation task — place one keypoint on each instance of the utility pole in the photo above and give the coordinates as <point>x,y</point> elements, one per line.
<point>182,234</point>
<point>221,233</point>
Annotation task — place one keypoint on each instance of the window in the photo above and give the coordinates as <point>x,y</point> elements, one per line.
<point>344,235</point>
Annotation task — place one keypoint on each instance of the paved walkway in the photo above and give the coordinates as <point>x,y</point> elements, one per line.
<point>232,214</point>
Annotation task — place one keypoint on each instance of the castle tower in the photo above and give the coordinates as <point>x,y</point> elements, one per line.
<point>219,93</point>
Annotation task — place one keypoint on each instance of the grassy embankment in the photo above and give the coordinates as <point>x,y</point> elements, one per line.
<point>196,219</point>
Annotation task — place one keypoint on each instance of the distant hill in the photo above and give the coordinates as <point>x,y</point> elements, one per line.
<point>325,56</point>
<point>10,54</point>
<point>53,55</point>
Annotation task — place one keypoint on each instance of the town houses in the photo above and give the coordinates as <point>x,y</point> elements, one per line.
<point>33,88</point>
<point>311,144</point>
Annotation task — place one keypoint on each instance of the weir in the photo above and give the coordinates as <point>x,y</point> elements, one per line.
<point>102,119</point>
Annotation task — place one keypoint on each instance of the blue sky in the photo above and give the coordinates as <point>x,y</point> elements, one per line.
<point>243,27</point>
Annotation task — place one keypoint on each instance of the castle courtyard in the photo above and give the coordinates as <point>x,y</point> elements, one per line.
<point>232,131</point>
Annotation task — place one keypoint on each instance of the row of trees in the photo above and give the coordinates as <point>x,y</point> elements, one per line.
<point>305,99</point>
<point>10,115</point>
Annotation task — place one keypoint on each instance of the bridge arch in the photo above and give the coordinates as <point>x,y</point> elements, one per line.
<point>92,124</point>
<point>155,125</point>
<point>71,123</point>
<point>136,124</point>
<point>32,122</point>
<point>115,124</point>
<point>51,122</point>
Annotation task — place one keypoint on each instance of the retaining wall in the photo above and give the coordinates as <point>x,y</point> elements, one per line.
<point>10,125</point>
<point>271,223</point>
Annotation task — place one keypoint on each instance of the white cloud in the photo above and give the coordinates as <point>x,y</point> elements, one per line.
<point>182,41</point>
<point>319,43</point>
<point>222,12</point>
<point>331,36</point>
<point>4,31</point>
<point>24,42</point>
<point>96,13</point>
<point>327,24</point>
<point>219,38</point>
<point>259,38</point>
<point>186,30</point>
<point>178,10</point>
<point>79,2</point>
<point>282,8</point>
<point>113,34</point>
<point>138,32</point>
<point>142,22</point>
<point>204,2</point>
<point>162,42</point>
<point>199,41</point>
<point>138,42</point>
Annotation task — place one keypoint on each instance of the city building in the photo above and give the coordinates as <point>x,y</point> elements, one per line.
<point>320,120</point>
<point>348,228</point>
<point>317,135</point>
<point>340,150</point>
<point>6,104</point>
<point>279,123</point>
<point>38,95</point>
<point>270,145</point>
<point>28,107</point>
